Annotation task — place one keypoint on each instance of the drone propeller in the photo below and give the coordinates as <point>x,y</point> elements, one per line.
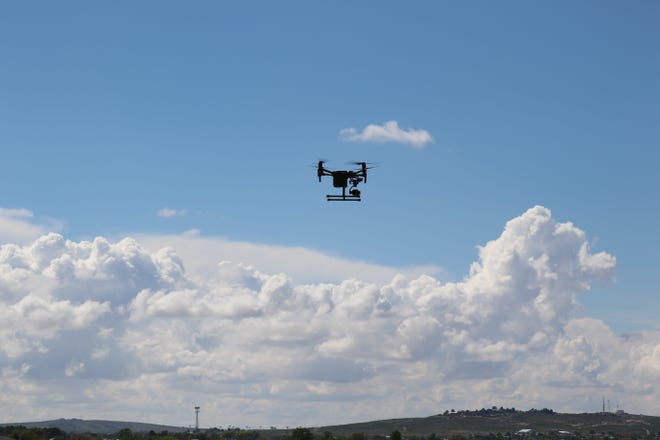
<point>318,164</point>
<point>363,164</point>
<point>363,168</point>
<point>320,169</point>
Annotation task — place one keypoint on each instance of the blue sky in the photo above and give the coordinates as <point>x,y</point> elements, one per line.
<point>110,112</point>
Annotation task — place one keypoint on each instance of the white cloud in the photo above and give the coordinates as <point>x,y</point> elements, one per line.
<point>16,212</point>
<point>251,344</point>
<point>192,233</point>
<point>168,212</point>
<point>16,226</point>
<point>202,255</point>
<point>74,369</point>
<point>388,132</point>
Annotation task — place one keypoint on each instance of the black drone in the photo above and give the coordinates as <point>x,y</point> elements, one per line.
<point>341,179</point>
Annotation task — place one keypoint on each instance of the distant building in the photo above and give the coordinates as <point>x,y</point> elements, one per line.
<point>525,432</point>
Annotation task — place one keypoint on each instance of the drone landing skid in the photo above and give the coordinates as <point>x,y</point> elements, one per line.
<point>353,195</point>
<point>342,198</point>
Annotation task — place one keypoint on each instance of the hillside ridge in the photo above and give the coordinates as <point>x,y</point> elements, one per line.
<point>97,426</point>
<point>483,421</point>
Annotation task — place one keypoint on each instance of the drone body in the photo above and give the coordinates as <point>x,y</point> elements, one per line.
<point>342,178</point>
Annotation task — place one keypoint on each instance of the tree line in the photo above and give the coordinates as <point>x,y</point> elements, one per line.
<point>24,433</point>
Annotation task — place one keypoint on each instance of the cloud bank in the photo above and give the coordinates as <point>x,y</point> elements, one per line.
<point>110,329</point>
<point>388,132</point>
<point>302,265</point>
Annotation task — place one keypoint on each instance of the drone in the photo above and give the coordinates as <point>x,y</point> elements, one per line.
<point>341,179</point>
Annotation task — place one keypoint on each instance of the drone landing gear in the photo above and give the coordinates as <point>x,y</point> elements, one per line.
<point>338,198</point>
<point>353,196</point>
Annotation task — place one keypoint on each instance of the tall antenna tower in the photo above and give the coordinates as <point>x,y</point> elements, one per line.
<point>197,418</point>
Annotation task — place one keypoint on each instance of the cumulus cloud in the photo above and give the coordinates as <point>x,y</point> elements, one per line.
<point>168,212</point>
<point>388,132</point>
<point>128,323</point>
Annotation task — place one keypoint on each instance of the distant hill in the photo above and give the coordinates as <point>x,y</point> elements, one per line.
<point>503,421</point>
<point>483,421</point>
<point>98,426</point>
